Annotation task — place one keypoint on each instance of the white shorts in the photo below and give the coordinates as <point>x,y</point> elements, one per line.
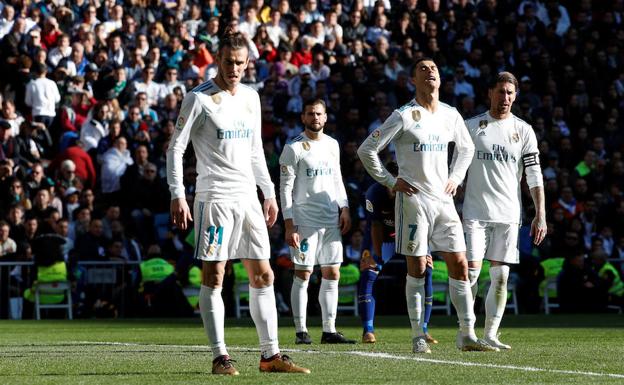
<point>424,225</point>
<point>317,246</point>
<point>230,230</point>
<point>492,241</point>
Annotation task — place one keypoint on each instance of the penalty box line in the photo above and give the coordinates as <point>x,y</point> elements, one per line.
<point>380,356</point>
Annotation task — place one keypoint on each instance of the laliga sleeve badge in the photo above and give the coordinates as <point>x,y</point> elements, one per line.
<point>216,98</point>
<point>305,145</point>
<point>180,122</point>
<point>369,206</point>
<point>416,115</point>
<point>376,134</point>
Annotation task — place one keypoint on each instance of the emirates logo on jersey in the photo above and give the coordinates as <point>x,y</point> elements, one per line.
<point>416,115</point>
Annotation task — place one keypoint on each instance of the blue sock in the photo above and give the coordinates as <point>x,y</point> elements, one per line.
<point>366,301</point>
<point>428,297</point>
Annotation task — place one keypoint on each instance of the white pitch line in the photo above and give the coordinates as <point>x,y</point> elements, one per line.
<point>376,355</point>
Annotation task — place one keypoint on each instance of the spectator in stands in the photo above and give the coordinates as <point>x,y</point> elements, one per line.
<point>91,246</point>
<point>96,128</point>
<point>578,286</point>
<point>42,95</point>
<point>114,163</point>
<point>8,247</point>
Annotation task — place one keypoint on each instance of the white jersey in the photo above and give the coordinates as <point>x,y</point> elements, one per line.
<point>311,186</point>
<point>421,139</point>
<point>225,131</point>
<point>503,149</point>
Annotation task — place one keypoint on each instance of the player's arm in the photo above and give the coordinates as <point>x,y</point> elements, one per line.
<point>288,162</point>
<point>189,117</point>
<point>260,169</point>
<point>533,171</point>
<point>377,141</point>
<point>465,150</point>
<point>341,198</point>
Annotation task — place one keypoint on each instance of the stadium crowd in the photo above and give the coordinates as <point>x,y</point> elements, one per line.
<point>90,92</point>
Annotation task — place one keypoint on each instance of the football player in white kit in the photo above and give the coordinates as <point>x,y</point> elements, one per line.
<point>316,214</point>
<point>425,213</point>
<point>504,146</point>
<point>222,119</point>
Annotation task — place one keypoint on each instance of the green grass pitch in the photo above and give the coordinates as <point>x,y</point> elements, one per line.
<point>556,349</point>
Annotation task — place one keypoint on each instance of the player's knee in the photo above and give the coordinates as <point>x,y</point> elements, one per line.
<point>262,279</point>
<point>213,279</point>
<point>332,275</point>
<point>458,268</point>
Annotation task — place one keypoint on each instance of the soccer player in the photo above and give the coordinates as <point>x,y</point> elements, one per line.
<point>316,214</point>
<point>378,249</point>
<point>505,146</point>
<point>222,119</point>
<point>425,212</point>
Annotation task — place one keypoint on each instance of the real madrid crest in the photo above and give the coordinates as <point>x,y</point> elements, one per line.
<point>515,137</point>
<point>483,124</point>
<point>306,146</point>
<point>416,115</point>
<point>284,169</point>
<point>216,98</point>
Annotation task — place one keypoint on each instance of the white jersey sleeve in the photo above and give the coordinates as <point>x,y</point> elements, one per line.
<point>377,141</point>
<point>189,118</point>
<point>464,150</point>
<point>288,162</point>
<point>258,160</point>
<point>341,192</point>
<point>530,160</point>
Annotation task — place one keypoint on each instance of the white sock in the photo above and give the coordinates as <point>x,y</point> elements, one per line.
<point>212,313</point>
<point>473,276</point>
<point>299,303</point>
<point>496,299</point>
<point>414,294</point>
<point>264,314</point>
<point>461,297</point>
<point>328,298</point>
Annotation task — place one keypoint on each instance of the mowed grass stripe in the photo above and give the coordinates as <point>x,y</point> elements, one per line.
<point>419,358</point>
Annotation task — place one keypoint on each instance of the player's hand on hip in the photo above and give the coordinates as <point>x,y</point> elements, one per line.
<point>345,220</point>
<point>538,229</point>
<point>429,261</point>
<point>450,188</point>
<point>180,213</point>
<point>270,211</point>
<point>292,238</point>
<point>404,187</point>
<point>367,262</point>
